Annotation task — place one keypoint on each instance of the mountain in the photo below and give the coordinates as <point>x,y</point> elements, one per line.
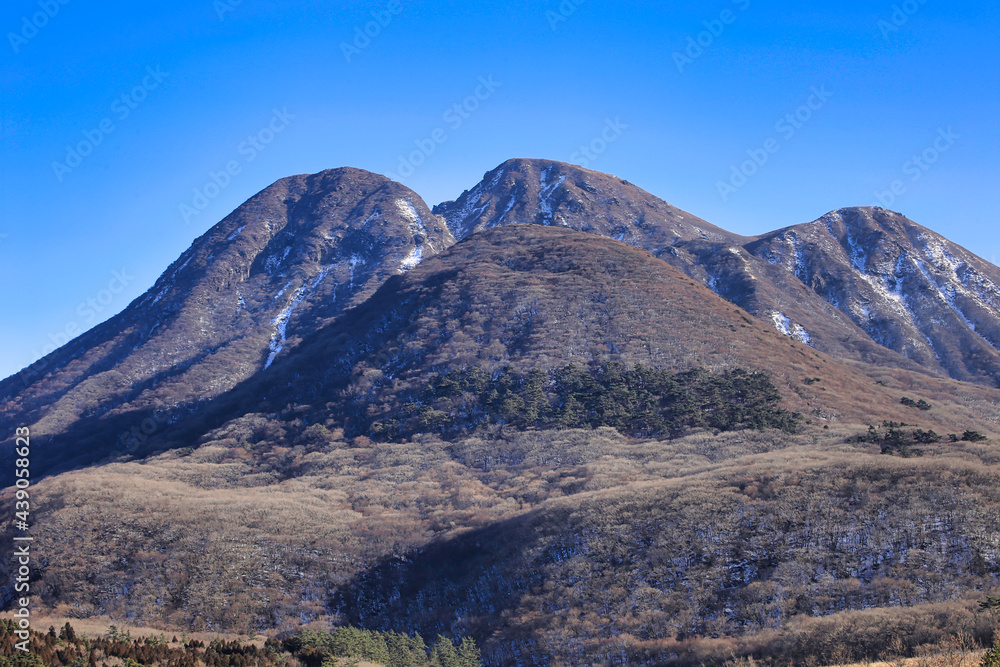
<point>557,414</point>
<point>860,283</point>
<point>305,249</point>
<point>910,289</point>
<point>293,256</point>
<point>520,298</point>
<point>286,499</point>
<point>545,192</point>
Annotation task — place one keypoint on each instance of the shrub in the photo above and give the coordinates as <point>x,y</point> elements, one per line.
<point>992,657</point>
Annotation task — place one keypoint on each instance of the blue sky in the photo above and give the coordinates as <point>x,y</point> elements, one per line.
<point>753,115</point>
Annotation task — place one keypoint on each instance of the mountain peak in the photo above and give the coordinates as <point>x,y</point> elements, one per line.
<point>293,256</point>
<point>908,288</point>
<point>551,193</point>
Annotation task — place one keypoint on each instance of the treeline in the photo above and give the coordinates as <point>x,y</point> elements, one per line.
<point>67,648</point>
<point>392,649</point>
<point>345,645</point>
<point>638,401</point>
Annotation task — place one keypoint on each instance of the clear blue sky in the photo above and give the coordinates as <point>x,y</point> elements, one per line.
<point>173,90</point>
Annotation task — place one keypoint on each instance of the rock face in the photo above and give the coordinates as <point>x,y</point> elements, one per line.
<point>522,298</point>
<point>293,256</point>
<point>518,299</point>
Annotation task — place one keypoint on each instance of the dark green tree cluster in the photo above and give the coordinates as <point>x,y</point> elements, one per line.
<point>393,649</point>
<point>637,401</point>
<point>893,439</point>
<point>910,403</point>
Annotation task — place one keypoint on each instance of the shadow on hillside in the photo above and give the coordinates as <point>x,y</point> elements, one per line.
<point>465,585</point>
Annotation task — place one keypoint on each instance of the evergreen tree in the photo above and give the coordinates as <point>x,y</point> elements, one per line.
<point>468,653</point>
<point>444,654</point>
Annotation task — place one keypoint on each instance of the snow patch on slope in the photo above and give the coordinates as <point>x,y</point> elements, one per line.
<point>787,252</point>
<point>800,334</point>
<point>375,215</point>
<point>547,190</point>
<point>781,323</point>
<point>510,205</point>
<point>416,227</point>
<point>785,326</point>
<point>280,321</point>
<point>408,211</point>
<point>948,294</point>
<point>412,259</point>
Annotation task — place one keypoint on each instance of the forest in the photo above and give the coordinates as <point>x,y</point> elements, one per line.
<point>638,401</point>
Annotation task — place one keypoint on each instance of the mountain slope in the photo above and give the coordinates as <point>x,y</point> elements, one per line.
<point>751,546</point>
<point>910,289</point>
<point>294,255</point>
<point>304,514</point>
<point>821,301</point>
<point>303,250</point>
<point>525,297</point>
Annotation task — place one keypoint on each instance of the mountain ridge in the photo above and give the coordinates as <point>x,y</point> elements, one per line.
<point>308,247</point>
<point>746,271</point>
